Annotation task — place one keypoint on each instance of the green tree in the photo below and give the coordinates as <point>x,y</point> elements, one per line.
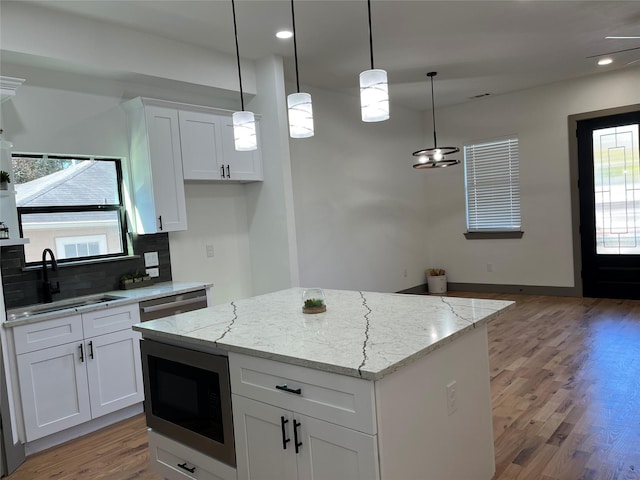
<point>27,169</point>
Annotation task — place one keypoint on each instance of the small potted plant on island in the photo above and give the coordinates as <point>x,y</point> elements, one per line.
<point>5,180</point>
<point>437,280</point>
<point>134,280</point>
<point>313,301</point>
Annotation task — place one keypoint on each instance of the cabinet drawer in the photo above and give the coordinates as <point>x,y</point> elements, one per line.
<point>166,456</point>
<point>109,320</point>
<point>338,399</point>
<point>48,333</point>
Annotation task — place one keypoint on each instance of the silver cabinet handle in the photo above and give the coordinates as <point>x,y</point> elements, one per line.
<point>179,303</point>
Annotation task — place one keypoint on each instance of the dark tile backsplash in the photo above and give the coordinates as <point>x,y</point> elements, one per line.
<point>24,287</point>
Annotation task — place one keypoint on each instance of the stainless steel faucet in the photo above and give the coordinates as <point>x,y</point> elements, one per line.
<point>47,289</point>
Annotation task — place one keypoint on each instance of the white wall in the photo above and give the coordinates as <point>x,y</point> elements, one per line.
<point>273,247</point>
<point>544,256</point>
<point>360,207</point>
<point>85,45</point>
<point>217,215</point>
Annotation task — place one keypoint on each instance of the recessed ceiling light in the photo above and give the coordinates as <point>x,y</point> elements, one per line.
<point>284,34</point>
<point>605,61</point>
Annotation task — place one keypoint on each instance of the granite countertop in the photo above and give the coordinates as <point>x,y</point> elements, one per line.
<point>20,315</point>
<point>362,334</point>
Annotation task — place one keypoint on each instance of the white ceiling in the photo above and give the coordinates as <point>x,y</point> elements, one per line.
<point>476,46</point>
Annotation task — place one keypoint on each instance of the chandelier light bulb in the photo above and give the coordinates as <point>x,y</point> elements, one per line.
<point>437,155</point>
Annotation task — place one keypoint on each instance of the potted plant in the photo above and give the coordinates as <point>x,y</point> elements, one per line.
<point>5,180</point>
<point>437,280</point>
<point>313,301</point>
<point>134,280</point>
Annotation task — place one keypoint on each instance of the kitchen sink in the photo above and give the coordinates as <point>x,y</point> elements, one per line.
<point>69,304</point>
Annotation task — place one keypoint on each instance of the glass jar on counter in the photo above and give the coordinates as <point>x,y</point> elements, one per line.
<point>313,300</point>
<point>4,231</point>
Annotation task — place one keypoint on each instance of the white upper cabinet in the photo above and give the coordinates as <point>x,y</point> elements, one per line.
<point>156,167</point>
<point>208,151</point>
<point>201,143</point>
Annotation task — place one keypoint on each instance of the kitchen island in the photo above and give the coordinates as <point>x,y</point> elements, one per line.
<point>380,386</point>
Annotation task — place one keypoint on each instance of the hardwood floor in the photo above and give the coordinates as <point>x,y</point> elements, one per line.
<point>564,385</point>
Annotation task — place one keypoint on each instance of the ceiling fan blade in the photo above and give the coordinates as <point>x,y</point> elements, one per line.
<point>616,51</point>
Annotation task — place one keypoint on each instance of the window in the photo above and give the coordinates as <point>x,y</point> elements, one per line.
<point>492,181</point>
<point>71,204</point>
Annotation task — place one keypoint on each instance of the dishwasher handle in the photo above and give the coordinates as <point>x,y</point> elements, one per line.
<point>172,305</point>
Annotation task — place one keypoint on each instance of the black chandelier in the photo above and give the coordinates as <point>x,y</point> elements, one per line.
<point>434,157</point>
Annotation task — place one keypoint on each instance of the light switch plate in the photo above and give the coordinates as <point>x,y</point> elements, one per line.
<point>151,259</point>
<point>153,272</point>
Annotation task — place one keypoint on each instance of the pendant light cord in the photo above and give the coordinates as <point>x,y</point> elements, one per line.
<point>370,34</point>
<point>295,44</point>
<point>235,29</point>
<point>433,109</point>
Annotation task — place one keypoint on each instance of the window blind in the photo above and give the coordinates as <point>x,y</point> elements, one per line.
<point>492,180</point>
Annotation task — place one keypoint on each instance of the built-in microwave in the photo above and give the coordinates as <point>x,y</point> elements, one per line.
<point>188,398</point>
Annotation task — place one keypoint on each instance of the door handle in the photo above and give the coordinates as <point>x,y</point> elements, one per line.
<point>222,171</point>
<point>285,388</point>
<point>184,467</point>
<point>81,354</point>
<point>160,220</point>
<point>285,440</point>
<point>91,349</point>
<point>297,444</point>
<point>228,172</point>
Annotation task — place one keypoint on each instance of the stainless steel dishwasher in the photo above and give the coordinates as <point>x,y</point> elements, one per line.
<point>172,304</point>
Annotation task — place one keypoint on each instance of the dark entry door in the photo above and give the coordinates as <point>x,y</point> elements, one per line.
<point>609,180</point>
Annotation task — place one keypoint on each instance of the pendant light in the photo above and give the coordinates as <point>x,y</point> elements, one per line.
<point>299,104</point>
<point>434,157</point>
<point>374,90</point>
<point>244,123</point>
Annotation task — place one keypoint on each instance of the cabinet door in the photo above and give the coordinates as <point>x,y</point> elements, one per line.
<point>201,145</point>
<point>114,371</point>
<point>54,390</point>
<point>260,454</point>
<point>243,166</point>
<point>166,169</point>
<point>330,451</point>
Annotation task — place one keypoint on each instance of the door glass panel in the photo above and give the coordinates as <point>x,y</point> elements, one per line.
<point>616,172</point>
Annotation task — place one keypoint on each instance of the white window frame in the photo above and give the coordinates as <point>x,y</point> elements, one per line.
<point>492,187</point>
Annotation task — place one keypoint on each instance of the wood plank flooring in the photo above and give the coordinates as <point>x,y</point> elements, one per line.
<point>564,385</point>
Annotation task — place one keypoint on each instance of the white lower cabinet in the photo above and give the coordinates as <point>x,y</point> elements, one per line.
<point>114,372</point>
<point>175,461</point>
<point>67,384</point>
<point>54,390</point>
<point>277,444</point>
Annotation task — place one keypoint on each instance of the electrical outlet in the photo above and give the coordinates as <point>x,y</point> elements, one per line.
<point>452,397</point>
<point>405,273</point>
<point>151,259</point>
<point>209,249</point>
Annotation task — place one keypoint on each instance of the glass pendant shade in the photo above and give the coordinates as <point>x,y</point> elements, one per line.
<point>300,115</point>
<point>374,95</point>
<point>244,131</point>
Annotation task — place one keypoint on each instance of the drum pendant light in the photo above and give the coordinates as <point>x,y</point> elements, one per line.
<point>299,104</point>
<point>244,122</point>
<point>374,89</point>
<point>434,157</point>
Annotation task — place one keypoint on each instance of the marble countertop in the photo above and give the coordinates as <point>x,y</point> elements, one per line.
<point>21,315</point>
<point>362,334</point>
